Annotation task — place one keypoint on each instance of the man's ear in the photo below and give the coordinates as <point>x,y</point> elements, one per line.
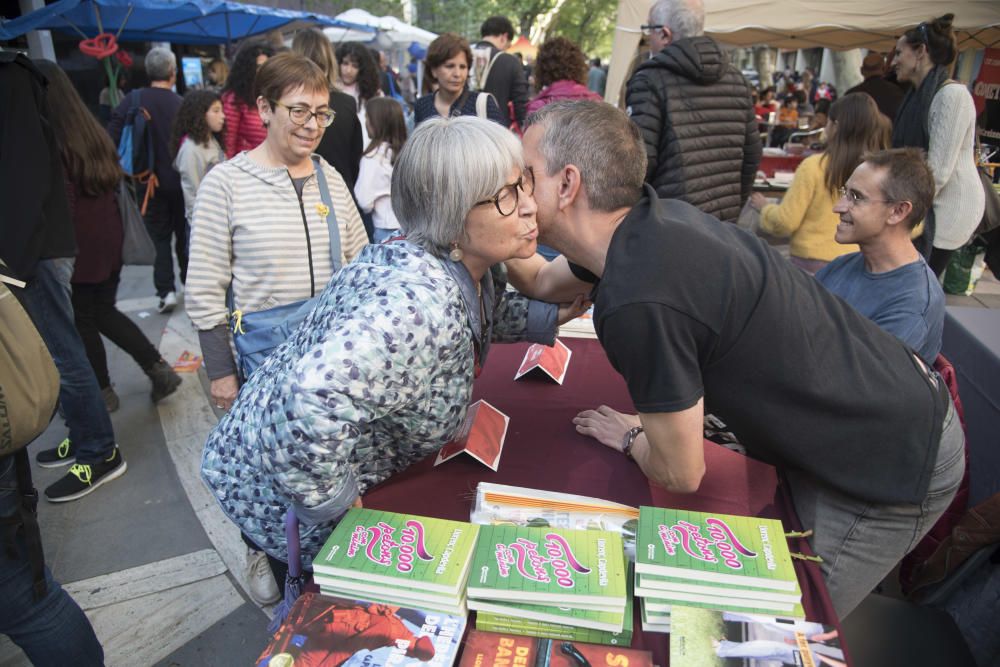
<point>899,212</point>
<point>570,184</point>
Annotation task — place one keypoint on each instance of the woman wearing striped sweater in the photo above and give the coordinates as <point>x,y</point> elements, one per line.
<point>259,225</point>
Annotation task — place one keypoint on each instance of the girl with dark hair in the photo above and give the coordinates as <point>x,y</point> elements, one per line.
<point>387,128</point>
<point>560,74</point>
<point>245,131</point>
<point>938,116</point>
<point>195,143</point>
<point>806,214</point>
<point>92,179</point>
<point>359,78</point>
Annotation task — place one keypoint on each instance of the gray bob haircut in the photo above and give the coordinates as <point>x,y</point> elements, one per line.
<point>160,64</point>
<point>685,18</point>
<point>600,141</point>
<point>446,166</point>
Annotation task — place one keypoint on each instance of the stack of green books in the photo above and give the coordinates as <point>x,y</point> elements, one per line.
<point>399,559</point>
<point>566,578</point>
<point>712,561</point>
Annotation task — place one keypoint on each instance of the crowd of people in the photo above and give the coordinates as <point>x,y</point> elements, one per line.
<point>297,182</point>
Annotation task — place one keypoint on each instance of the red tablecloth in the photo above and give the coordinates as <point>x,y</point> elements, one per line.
<point>542,450</point>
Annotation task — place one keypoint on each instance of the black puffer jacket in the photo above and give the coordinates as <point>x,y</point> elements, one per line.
<point>697,121</point>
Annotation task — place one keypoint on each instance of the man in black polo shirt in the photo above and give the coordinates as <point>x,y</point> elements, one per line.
<point>698,316</point>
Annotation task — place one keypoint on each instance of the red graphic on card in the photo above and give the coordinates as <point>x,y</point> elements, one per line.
<point>481,436</point>
<point>553,361</point>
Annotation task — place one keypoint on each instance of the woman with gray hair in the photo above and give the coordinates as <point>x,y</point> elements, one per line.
<point>379,375</point>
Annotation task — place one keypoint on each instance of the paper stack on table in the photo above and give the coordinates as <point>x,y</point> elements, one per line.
<point>500,649</point>
<point>401,559</point>
<point>713,561</point>
<point>567,577</point>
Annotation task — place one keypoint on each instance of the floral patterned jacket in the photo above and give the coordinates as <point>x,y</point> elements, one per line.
<point>377,377</point>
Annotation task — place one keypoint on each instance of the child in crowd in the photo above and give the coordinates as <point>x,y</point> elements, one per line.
<point>196,142</point>
<point>788,120</point>
<point>387,129</point>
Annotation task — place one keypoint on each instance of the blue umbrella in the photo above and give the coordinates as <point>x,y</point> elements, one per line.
<point>177,21</point>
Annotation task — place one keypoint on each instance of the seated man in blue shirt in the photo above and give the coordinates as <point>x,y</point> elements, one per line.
<point>888,281</point>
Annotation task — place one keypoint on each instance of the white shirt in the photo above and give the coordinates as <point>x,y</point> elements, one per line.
<point>373,187</point>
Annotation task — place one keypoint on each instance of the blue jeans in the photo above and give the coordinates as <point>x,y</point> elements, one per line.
<point>53,630</point>
<point>48,302</point>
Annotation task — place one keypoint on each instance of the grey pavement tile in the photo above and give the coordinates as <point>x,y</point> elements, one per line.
<point>142,517</point>
<point>237,639</point>
<point>962,300</point>
<point>988,300</point>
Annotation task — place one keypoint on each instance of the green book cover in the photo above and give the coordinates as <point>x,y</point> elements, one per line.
<point>653,621</point>
<point>515,624</point>
<point>703,638</point>
<point>457,610</point>
<point>651,583</point>
<point>549,566</point>
<point>399,550</point>
<point>666,604</point>
<point>609,621</point>
<point>726,549</point>
<point>409,596</point>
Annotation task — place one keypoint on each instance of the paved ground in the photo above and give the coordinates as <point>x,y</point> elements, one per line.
<point>149,556</point>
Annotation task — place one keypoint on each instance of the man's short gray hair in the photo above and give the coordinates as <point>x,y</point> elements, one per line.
<point>161,64</point>
<point>600,141</point>
<point>446,166</point>
<point>685,18</point>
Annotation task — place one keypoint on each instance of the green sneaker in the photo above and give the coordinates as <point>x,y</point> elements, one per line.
<point>83,479</point>
<point>62,455</point>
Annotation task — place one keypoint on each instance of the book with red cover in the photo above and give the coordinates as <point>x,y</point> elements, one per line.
<point>327,631</point>
<point>493,649</point>
<point>481,436</point>
<point>553,361</point>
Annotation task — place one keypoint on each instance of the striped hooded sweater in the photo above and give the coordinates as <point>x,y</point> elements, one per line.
<point>250,230</point>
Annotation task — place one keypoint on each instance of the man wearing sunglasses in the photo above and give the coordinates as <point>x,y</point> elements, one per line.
<point>695,114</point>
<point>888,281</point>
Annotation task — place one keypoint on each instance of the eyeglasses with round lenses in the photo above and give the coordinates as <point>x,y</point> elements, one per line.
<point>506,200</point>
<point>855,198</point>
<point>301,115</point>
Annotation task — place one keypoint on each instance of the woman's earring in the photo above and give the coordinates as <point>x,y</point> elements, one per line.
<point>456,253</point>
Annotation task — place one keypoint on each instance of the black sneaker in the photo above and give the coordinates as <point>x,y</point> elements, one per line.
<point>62,455</point>
<point>82,479</point>
<point>165,380</point>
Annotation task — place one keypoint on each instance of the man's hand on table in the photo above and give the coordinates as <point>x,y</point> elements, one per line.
<point>606,425</point>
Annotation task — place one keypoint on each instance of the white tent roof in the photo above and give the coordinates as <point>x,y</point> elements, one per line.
<point>389,27</point>
<point>800,24</point>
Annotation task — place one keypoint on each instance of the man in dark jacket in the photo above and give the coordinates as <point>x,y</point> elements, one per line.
<point>695,114</point>
<point>165,215</point>
<point>499,73</point>
<point>887,95</point>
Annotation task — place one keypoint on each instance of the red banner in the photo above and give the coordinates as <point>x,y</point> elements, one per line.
<point>986,95</point>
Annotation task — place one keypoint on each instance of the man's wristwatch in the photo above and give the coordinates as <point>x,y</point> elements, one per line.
<point>629,440</point>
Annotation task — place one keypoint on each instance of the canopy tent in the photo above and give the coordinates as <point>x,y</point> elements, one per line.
<point>524,47</point>
<point>177,21</point>
<point>801,24</point>
<point>387,31</point>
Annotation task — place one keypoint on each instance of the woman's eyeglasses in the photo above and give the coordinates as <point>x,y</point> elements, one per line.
<point>301,115</point>
<point>506,200</point>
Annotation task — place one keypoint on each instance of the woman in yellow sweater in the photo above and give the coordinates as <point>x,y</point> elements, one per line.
<point>806,211</point>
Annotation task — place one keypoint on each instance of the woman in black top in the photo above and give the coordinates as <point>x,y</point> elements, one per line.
<point>448,59</point>
<point>341,144</point>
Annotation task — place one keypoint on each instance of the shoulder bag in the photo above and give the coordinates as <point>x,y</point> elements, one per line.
<point>255,335</point>
<point>137,246</point>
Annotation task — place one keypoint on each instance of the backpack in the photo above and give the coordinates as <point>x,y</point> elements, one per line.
<point>136,153</point>
<point>29,389</point>
<point>482,63</point>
